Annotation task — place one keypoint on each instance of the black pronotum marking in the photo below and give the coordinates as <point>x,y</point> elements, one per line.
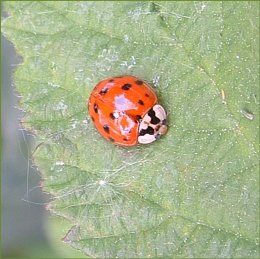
<point>139,82</point>
<point>157,127</point>
<point>111,139</point>
<point>138,118</point>
<point>95,108</point>
<point>112,116</point>
<point>154,119</point>
<point>104,90</point>
<point>141,102</point>
<point>149,130</point>
<point>106,128</point>
<point>126,86</point>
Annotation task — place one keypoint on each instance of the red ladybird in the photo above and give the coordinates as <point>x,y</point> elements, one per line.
<point>125,111</point>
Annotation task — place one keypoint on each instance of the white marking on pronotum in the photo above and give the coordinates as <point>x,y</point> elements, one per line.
<point>159,112</point>
<point>146,139</point>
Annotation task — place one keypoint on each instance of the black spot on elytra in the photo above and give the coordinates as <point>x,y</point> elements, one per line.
<point>149,131</point>
<point>106,128</point>
<point>104,90</point>
<point>147,95</point>
<point>141,102</point>
<point>111,80</point>
<point>95,108</point>
<point>111,139</point>
<point>126,86</point>
<point>112,116</point>
<point>125,139</point>
<point>92,118</point>
<point>154,119</point>
<point>139,82</point>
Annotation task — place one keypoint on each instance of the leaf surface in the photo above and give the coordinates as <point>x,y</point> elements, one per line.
<point>195,192</point>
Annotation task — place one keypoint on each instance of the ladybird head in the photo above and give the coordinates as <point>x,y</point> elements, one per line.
<point>153,125</point>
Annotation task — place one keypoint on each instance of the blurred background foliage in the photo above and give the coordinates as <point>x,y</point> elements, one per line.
<point>27,229</point>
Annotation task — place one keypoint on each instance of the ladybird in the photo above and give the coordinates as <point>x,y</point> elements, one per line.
<point>125,111</point>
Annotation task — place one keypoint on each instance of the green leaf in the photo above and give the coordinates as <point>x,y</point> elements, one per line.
<point>195,192</point>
